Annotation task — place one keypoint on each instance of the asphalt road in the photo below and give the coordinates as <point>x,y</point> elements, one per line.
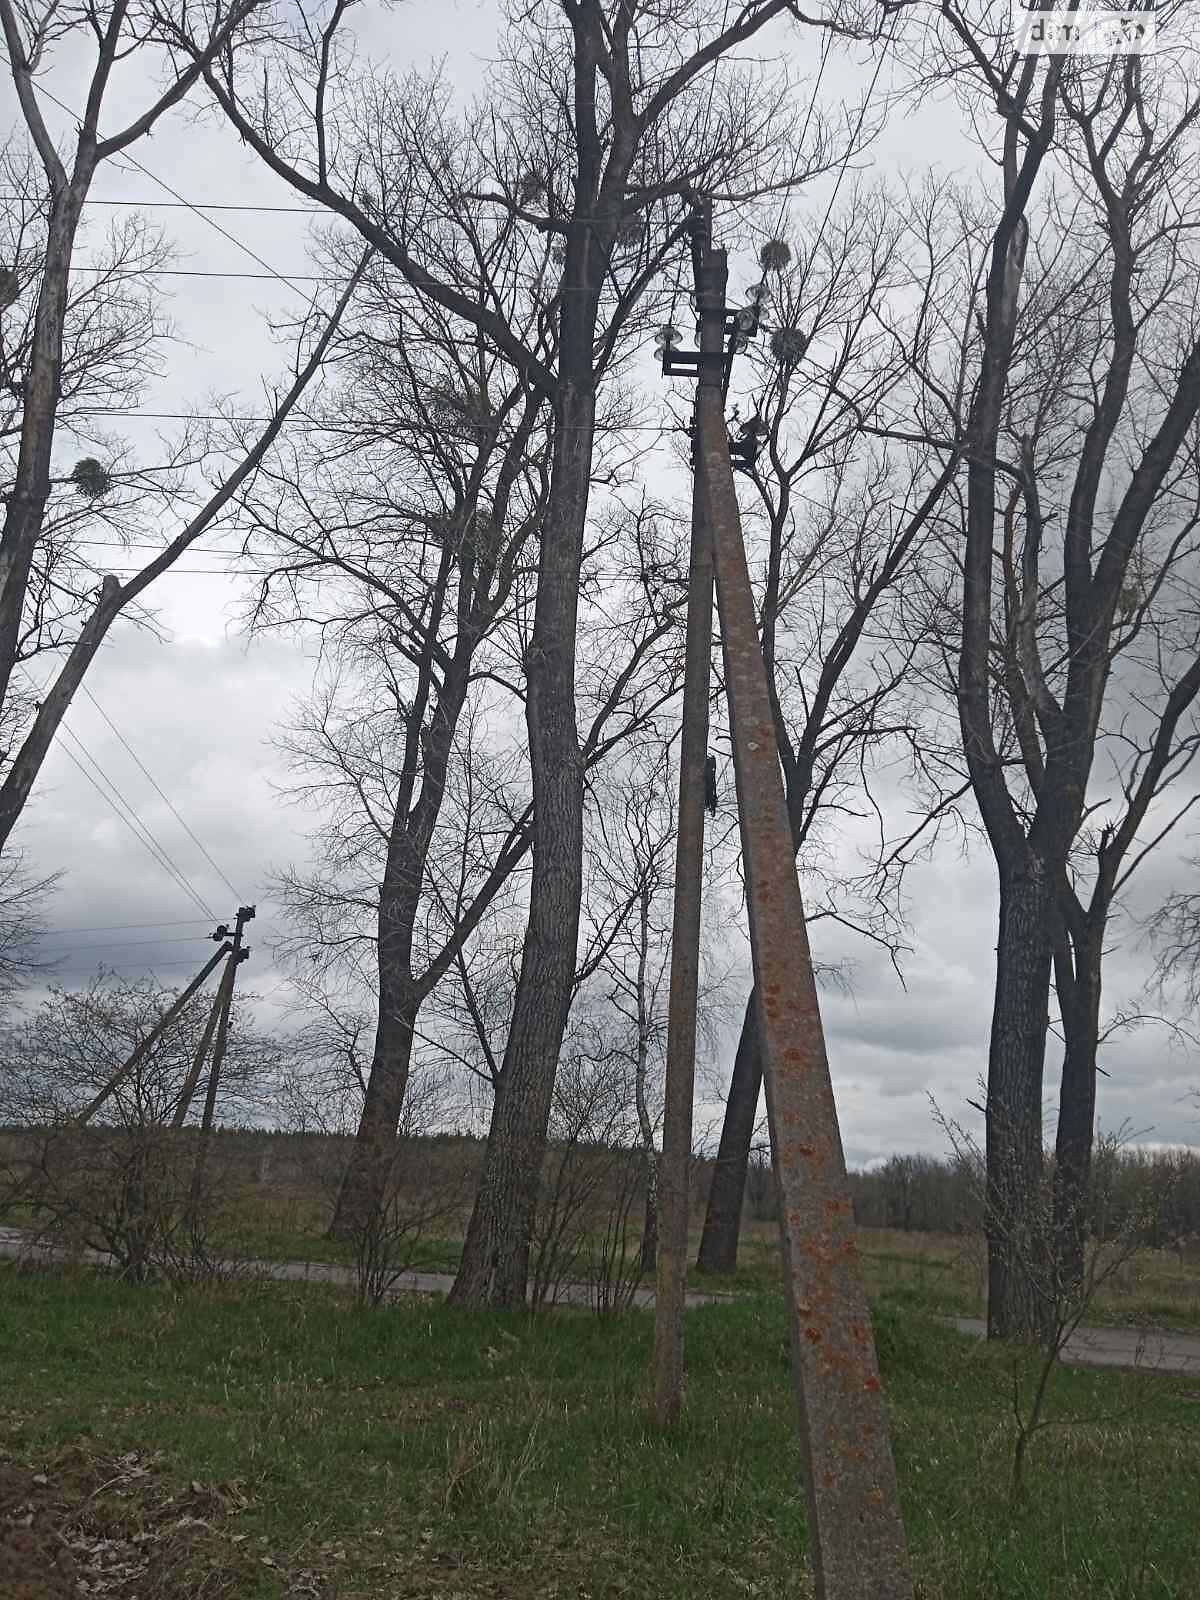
<point>1155,1350</point>
<point>1150,1350</point>
<point>15,1244</point>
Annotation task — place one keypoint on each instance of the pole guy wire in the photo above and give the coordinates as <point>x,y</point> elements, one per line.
<point>121,927</point>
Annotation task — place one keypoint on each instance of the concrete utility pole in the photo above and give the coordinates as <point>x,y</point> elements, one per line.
<point>139,1053</point>
<point>187,1093</point>
<point>675,1167</point>
<point>222,1007</point>
<point>855,1529</point>
<point>82,1118</point>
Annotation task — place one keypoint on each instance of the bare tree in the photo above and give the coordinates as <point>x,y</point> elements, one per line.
<point>629,886</point>
<point>402,521</point>
<point>79,337</point>
<point>602,174</point>
<point>1072,385</point>
<point>1175,929</point>
<point>23,899</point>
<point>839,527</point>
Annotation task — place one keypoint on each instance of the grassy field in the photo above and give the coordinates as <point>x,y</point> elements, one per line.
<point>274,1442</point>
<point>944,1272</point>
<point>286,1218</point>
<point>276,1194</point>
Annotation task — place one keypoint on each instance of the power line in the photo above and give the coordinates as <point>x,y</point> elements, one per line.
<point>292,279</point>
<point>131,820</point>
<point>283,983</point>
<point>171,572</point>
<point>850,146</point>
<point>631,575</point>
<point>826,52</point>
<point>149,967</point>
<point>121,927</point>
<point>175,195</point>
<point>181,201</point>
<point>217,416</point>
<point>188,205</point>
<point>162,796</point>
<point>199,272</point>
<point>129,944</point>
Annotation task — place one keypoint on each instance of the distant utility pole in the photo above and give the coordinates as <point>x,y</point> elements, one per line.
<point>855,1530</point>
<point>143,1048</point>
<point>674,1171</point>
<point>82,1118</point>
<point>218,1019</point>
<point>232,948</point>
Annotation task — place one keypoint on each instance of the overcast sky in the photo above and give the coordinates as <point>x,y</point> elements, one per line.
<point>200,706</point>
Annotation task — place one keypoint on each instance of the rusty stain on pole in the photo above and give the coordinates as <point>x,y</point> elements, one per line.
<point>856,1534</point>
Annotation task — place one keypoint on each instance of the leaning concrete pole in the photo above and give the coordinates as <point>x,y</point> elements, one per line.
<point>82,1118</point>
<point>856,1534</point>
<point>223,1011</point>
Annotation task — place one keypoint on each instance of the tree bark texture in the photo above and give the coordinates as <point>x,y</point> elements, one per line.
<point>1017,1230</point>
<point>718,1251</point>
<point>31,483</point>
<point>1079,1005</point>
<point>364,1183</point>
<point>495,1260</point>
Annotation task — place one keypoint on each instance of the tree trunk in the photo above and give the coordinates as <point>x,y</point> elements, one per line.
<point>723,1215</point>
<point>26,499</point>
<point>495,1260</point>
<point>365,1180</point>
<point>400,996</point>
<point>1080,1009</point>
<point>645,1121</point>
<point>1019,1299</point>
<point>650,1224</point>
<point>23,772</point>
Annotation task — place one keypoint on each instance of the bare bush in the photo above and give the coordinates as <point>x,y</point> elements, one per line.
<point>1063,1299</point>
<point>127,1184</point>
<point>400,1233</point>
<point>584,1227</point>
<point>421,1194</point>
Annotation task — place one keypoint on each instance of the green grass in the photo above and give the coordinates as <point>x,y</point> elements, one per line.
<point>283,1244</point>
<point>456,1454</point>
<point>945,1274</point>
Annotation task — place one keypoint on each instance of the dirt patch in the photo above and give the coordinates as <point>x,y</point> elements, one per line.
<point>92,1527</point>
